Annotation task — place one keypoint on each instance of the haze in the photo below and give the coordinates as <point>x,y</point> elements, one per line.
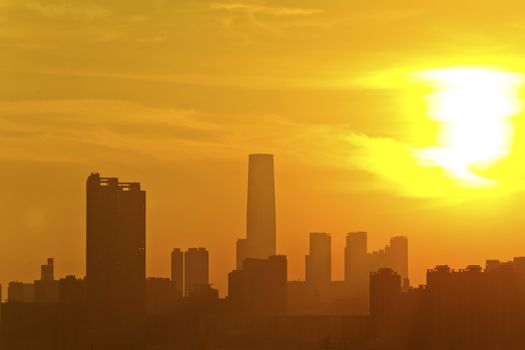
<point>176,94</point>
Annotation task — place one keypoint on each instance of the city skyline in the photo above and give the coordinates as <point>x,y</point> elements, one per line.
<point>117,306</point>
<point>259,164</point>
<point>191,268</point>
<point>262,174</point>
<point>347,97</point>
<point>218,280</point>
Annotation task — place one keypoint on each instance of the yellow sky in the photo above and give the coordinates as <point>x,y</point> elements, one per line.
<point>175,94</point>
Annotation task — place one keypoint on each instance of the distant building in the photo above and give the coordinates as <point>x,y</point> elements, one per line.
<point>399,257</point>
<point>301,298</point>
<point>196,268</point>
<point>241,251</point>
<point>394,256</point>
<point>47,271</point>
<point>318,263</point>
<point>355,258</point>
<point>177,270</point>
<point>359,263</point>
<point>71,290</point>
<point>161,296</point>
<point>46,289</point>
<point>259,289</point>
<point>260,239</point>
<point>18,292</point>
<point>203,294</point>
<point>356,266</point>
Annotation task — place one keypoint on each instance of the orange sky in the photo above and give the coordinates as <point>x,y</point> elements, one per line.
<point>176,94</point>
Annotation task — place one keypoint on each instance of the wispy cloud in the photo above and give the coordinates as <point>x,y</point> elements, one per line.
<point>63,9</point>
<point>90,124</point>
<point>105,130</point>
<point>264,9</point>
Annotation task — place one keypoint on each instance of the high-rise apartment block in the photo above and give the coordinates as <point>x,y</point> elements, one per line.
<point>115,259</point>
<point>196,269</point>
<point>318,264</point>
<point>177,270</point>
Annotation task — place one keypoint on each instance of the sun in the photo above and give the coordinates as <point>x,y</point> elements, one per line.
<point>461,134</point>
<point>473,107</point>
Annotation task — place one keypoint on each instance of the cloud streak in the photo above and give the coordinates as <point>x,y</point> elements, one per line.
<point>264,9</point>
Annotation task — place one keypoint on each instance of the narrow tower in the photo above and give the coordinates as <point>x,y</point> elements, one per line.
<point>260,222</point>
<point>177,270</point>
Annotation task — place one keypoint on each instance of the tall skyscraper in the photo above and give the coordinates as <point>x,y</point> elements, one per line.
<point>399,257</point>
<point>260,218</point>
<point>115,261</point>
<point>359,263</point>
<point>241,252</point>
<point>196,268</point>
<point>177,270</point>
<point>318,264</point>
<point>356,269</point>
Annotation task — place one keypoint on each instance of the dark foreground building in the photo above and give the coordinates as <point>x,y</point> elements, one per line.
<point>471,309</point>
<point>115,262</point>
<point>467,309</point>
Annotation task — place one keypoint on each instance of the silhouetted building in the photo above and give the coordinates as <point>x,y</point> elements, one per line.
<point>356,269</point>
<point>161,296</point>
<point>259,289</point>
<point>385,292</point>
<point>332,299</point>
<point>459,302</point>
<point>47,271</point>
<point>241,252</point>
<point>46,289</point>
<point>398,250</point>
<point>177,270</point>
<point>260,222</point>
<point>394,256</point>
<point>359,264</point>
<point>203,294</point>
<point>318,264</point>
<point>196,268</point>
<point>18,292</point>
<point>43,326</point>
<point>308,332</point>
<point>71,290</point>
<point>302,299</point>
<point>115,261</point>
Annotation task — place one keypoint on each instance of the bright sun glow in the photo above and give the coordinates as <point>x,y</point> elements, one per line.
<point>473,107</point>
<point>463,135</point>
